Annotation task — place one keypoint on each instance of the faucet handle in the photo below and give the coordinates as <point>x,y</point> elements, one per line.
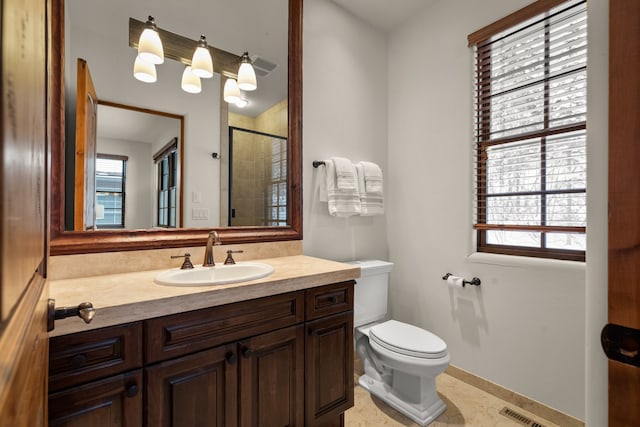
<point>187,261</point>
<point>230,259</point>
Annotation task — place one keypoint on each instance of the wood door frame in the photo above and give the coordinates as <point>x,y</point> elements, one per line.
<point>624,200</point>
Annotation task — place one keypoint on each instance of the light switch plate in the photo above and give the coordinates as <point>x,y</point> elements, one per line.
<point>199,214</point>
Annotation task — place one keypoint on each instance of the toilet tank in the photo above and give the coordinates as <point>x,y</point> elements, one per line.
<point>371,290</point>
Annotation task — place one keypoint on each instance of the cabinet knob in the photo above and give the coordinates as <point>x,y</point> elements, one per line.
<point>333,299</point>
<point>78,361</point>
<point>132,390</point>
<point>246,352</point>
<point>230,357</point>
<point>312,331</point>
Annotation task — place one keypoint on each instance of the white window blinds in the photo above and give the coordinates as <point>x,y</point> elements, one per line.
<point>530,135</point>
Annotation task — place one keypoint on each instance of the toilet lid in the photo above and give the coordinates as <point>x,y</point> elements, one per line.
<point>408,340</point>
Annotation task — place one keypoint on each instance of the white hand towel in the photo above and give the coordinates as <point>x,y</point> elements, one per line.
<point>345,174</point>
<point>371,202</point>
<point>372,177</point>
<point>341,202</point>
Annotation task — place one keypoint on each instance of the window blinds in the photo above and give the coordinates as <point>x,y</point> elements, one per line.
<point>530,132</point>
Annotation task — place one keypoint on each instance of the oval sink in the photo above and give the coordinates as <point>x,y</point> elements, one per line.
<point>218,275</point>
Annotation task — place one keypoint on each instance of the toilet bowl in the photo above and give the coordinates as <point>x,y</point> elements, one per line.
<point>401,361</point>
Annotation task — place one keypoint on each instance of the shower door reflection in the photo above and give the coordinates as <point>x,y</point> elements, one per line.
<point>257,178</point>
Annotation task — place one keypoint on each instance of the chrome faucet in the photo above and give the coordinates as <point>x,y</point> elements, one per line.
<point>213,239</point>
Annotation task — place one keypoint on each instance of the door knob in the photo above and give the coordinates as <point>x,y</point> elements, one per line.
<point>84,310</point>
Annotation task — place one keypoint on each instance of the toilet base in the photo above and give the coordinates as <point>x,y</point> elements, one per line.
<point>384,392</point>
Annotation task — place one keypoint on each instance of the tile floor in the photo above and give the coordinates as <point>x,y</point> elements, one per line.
<point>466,406</point>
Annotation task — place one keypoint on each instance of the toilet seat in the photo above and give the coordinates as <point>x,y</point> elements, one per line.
<point>408,340</point>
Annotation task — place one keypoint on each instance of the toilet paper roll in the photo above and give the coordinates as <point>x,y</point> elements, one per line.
<point>455,281</point>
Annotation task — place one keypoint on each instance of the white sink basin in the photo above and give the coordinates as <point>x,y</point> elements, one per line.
<point>218,275</point>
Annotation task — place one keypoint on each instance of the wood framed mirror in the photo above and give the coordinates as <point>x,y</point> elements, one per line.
<point>72,242</point>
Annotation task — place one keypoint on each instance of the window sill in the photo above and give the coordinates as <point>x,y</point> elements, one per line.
<point>520,261</point>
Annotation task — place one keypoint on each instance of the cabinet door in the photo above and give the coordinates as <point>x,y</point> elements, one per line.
<point>329,367</point>
<point>195,390</point>
<point>114,401</point>
<point>272,379</point>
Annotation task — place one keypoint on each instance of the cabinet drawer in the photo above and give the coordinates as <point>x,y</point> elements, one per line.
<point>185,333</point>
<point>85,356</point>
<point>114,401</point>
<point>331,299</point>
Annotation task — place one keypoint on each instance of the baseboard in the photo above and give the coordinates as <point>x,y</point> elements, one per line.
<point>537,408</point>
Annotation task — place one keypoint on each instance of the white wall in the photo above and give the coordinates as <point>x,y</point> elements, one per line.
<point>524,328</point>
<point>111,65</point>
<point>345,115</point>
<point>597,215</point>
<point>138,200</point>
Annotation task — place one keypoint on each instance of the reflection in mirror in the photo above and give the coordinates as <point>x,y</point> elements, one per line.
<point>258,188</point>
<point>138,168</point>
<point>99,32</point>
<point>270,30</point>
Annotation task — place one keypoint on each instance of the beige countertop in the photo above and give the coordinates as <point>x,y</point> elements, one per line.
<point>129,297</point>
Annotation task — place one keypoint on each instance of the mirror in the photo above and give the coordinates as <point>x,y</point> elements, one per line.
<point>206,176</point>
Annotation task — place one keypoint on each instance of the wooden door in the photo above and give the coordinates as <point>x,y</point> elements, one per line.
<point>23,201</point>
<point>272,379</point>
<point>114,401</point>
<point>85,174</point>
<point>195,390</point>
<point>329,364</point>
<point>621,337</point>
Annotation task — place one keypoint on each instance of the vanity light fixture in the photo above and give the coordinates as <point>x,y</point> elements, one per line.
<point>190,82</point>
<point>144,71</point>
<point>201,63</point>
<point>231,91</point>
<point>246,74</point>
<point>243,102</point>
<point>149,46</point>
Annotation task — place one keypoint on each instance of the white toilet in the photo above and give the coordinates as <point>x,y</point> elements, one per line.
<point>401,361</point>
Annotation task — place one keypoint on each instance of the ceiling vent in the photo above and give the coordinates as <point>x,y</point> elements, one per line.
<point>262,66</point>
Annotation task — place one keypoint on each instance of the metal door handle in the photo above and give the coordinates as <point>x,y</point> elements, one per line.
<point>84,310</point>
<point>621,343</point>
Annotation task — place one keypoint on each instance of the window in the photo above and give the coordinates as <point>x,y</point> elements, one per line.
<point>530,132</point>
<point>277,184</point>
<point>167,168</point>
<point>110,190</point>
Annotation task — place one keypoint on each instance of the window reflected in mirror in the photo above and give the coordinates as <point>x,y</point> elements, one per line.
<point>110,191</point>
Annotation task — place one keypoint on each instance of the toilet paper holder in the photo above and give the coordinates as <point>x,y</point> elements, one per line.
<point>474,282</point>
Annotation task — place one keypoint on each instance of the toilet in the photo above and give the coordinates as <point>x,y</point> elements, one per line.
<point>401,361</point>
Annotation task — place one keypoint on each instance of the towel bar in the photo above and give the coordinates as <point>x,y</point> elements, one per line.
<point>317,163</point>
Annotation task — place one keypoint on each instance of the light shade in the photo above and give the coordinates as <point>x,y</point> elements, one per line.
<point>231,91</point>
<point>243,102</point>
<point>201,63</point>
<point>190,82</point>
<point>246,74</point>
<point>149,46</point>
<point>144,71</point>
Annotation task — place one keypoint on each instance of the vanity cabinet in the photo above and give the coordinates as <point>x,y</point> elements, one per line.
<point>95,377</point>
<point>281,360</point>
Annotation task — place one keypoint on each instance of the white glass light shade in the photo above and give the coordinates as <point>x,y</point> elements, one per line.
<point>144,71</point>
<point>190,82</point>
<point>201,63</point>
<point>246,74</point>
<point>243,102</point>
<point>149,46</point>
<point>231,91</point>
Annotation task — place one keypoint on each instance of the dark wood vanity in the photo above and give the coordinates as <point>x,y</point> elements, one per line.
<point>285,359</point>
